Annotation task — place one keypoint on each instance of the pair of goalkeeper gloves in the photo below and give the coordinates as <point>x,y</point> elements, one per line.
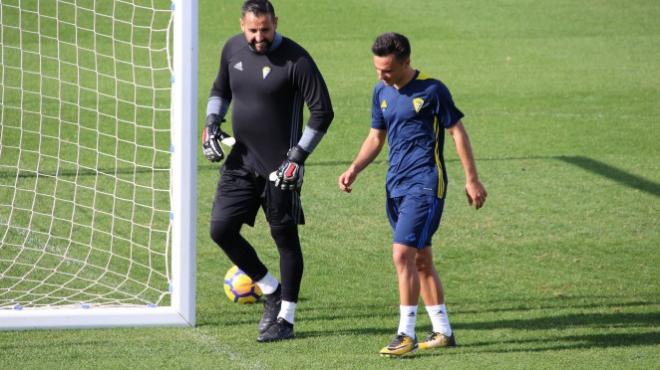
<point>288,176</point>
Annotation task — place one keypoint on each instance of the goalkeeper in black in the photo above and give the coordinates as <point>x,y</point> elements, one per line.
<point>267,78</point>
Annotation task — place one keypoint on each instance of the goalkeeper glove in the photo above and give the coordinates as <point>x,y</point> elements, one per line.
<point>212,136</point>
<point>289,176</point>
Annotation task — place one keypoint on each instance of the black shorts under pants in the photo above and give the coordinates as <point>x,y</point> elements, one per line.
<point>241,192</point>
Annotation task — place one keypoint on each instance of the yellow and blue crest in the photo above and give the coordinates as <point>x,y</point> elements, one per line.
<point>417,104</point>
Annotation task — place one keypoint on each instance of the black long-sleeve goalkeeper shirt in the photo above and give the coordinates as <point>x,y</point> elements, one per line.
<point>267,94</point>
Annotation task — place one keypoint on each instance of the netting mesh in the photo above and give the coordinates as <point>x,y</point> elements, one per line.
<point>84,152</point>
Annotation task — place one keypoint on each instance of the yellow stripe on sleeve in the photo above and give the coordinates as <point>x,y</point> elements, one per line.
<point>438,162</point>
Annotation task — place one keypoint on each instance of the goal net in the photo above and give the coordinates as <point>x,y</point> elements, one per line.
<point>95,165</point>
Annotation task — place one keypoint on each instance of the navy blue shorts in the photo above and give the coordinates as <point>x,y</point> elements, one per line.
<point>241,192</point>
<point>414,218</point>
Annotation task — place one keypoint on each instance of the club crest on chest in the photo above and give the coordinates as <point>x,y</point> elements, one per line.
<point>417,104</point>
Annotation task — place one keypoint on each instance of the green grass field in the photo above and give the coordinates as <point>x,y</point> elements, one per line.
<point>562,103</point>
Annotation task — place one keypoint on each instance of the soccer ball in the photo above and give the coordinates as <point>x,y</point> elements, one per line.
<point>239,288</point>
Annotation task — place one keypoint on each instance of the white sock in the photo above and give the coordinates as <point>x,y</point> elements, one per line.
<point>268,284</point>
<point>287,311</point>
<point>407,320</point>
<point>439,319</point>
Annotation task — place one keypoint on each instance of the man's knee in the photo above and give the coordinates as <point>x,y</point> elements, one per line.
<point>424,261</point>
<point>286,237</point>
<point>403,256</point>
<point>224,232</point>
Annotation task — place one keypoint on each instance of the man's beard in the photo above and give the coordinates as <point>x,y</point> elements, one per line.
<point>266,44</point>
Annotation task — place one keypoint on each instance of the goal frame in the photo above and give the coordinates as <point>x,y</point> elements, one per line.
<point>183,117</point>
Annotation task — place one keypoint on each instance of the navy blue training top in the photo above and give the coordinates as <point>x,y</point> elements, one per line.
<point>415,118</point>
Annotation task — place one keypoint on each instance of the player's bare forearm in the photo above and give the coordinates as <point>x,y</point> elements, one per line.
<point>474,189</point>
<point>464,151</point>
<point>370,149</point>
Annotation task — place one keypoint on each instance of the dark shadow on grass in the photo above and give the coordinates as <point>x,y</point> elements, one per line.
<point>336,320</point>
<point>313,162</point>
<point>586,320</point>
<point>317,312</point>
<point>556,343</point>
<point>508,305</point>
<point>584,341</point>
<point>539,328</point>
<point>226,313</point>
<point>543,325</point>
<point>27,174</point>
<point>569,342</point>
<point>310,163</point>
<point>613,173</point>
<point>591,165</point>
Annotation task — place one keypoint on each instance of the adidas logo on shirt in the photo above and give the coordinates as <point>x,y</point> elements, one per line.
<point>239,66</point>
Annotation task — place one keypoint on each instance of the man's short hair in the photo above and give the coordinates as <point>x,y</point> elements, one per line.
<point>392,43</point>
<point>258,8</point>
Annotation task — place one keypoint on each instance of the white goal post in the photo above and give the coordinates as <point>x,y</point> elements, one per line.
<point>98,112</point>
